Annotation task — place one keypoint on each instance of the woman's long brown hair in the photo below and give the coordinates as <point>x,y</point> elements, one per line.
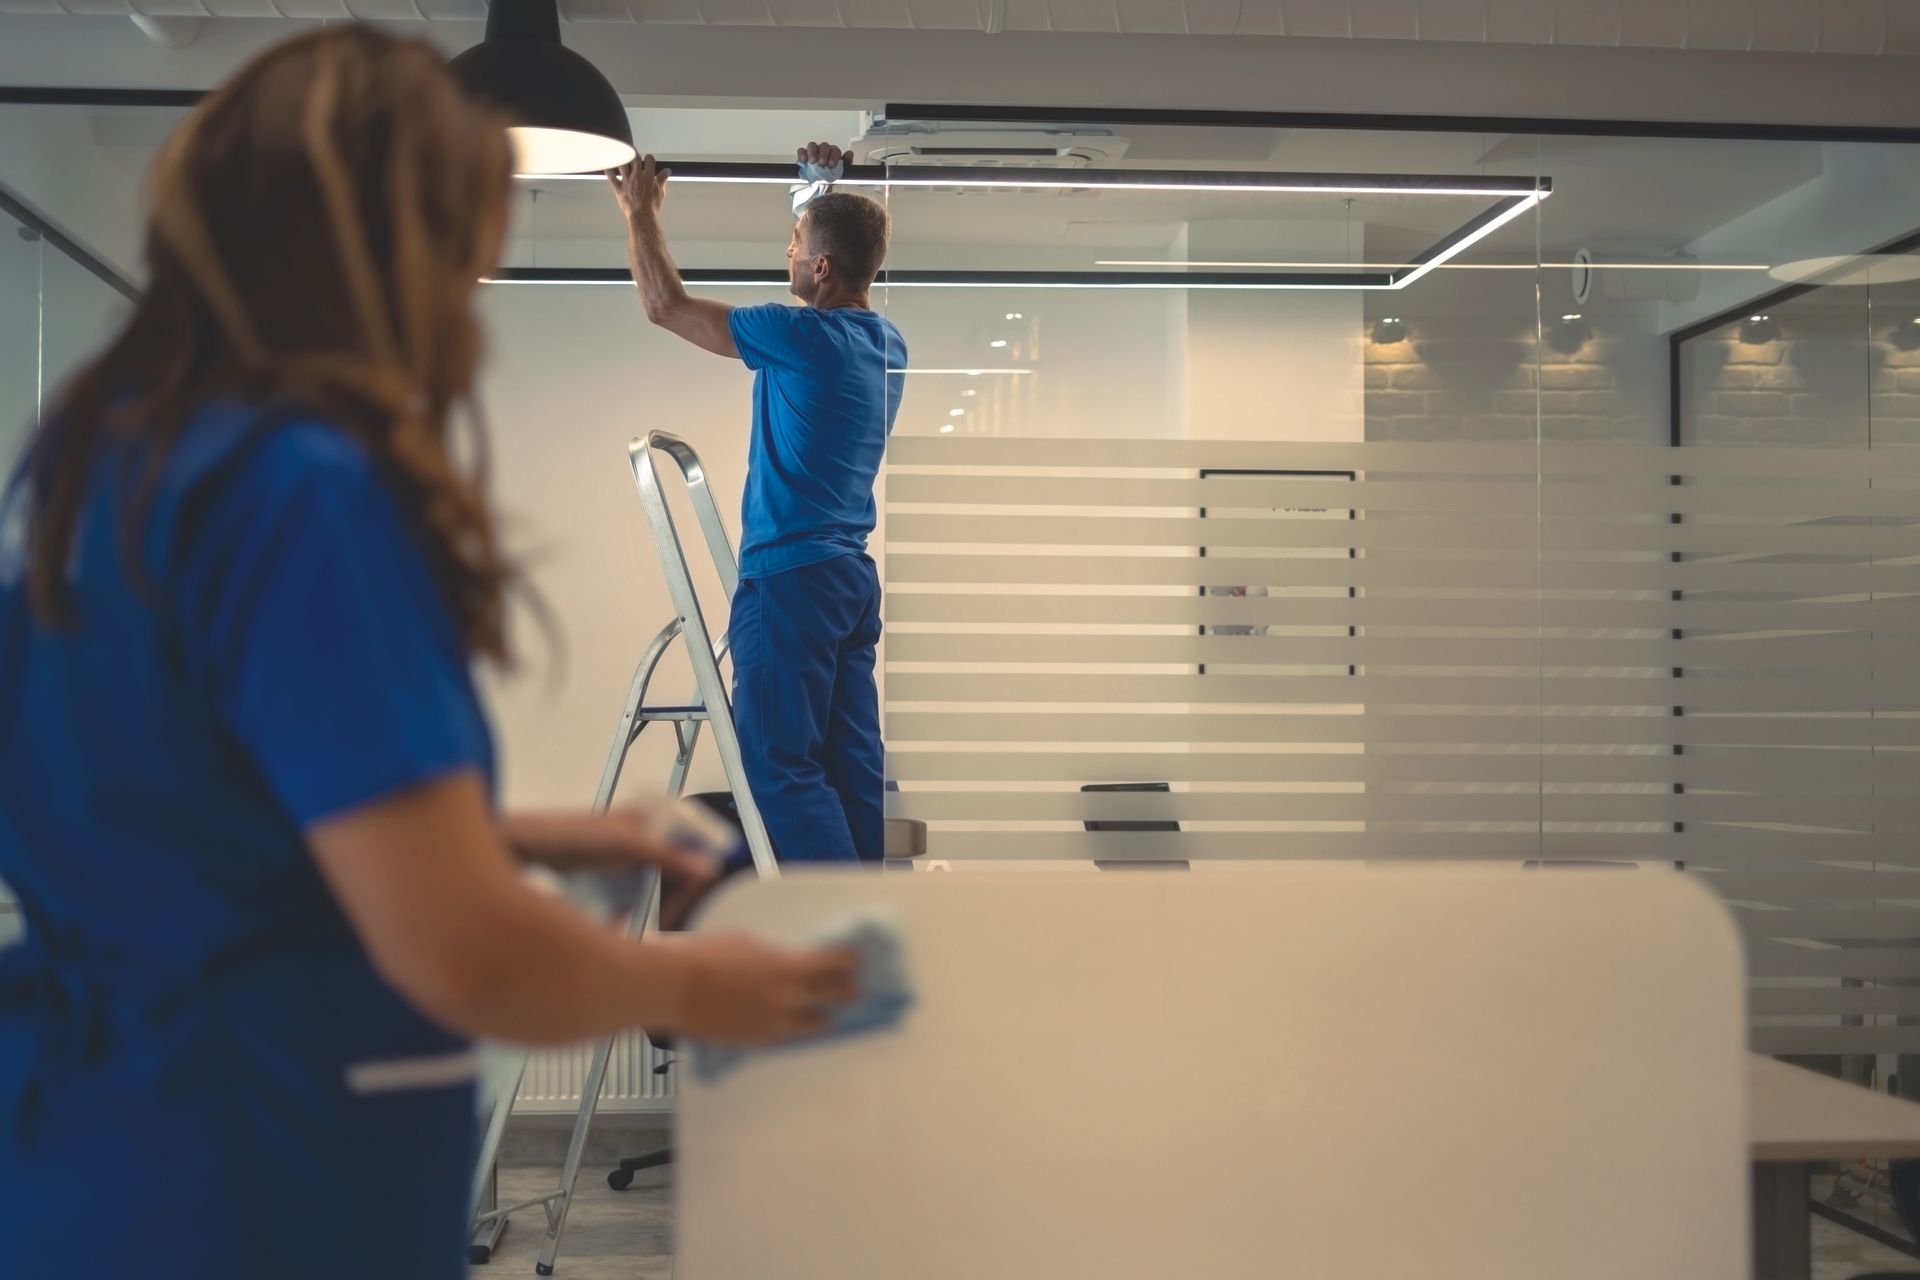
<point>319,225</point>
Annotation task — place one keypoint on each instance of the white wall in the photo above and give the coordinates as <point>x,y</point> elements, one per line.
<point>83,169</point>
<point>575,373</point>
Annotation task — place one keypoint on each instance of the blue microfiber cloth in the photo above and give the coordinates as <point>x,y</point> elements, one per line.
<point>815,180</point>
<point>885,996</point>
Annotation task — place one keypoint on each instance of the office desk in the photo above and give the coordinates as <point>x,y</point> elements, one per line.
<point>1796,1117</point>
<point>1141,1076</point>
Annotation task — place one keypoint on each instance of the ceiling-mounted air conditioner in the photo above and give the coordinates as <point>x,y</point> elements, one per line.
<point>922,144</point>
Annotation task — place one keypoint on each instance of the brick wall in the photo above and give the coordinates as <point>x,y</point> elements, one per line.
<point>1477,378</point>
<point>1834,373</point>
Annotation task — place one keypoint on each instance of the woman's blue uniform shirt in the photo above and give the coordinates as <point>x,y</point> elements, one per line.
<point>190,1015</point>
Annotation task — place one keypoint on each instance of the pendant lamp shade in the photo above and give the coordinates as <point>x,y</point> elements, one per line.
<point>565,117</point>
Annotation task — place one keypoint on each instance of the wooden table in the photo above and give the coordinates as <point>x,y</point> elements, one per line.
<point>1796,1117</point>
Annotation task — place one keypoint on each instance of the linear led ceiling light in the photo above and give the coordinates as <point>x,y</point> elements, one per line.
<point>1243,265</point>
<point>564,117</point>
<point>975,177</point>
<point>1511,197</point>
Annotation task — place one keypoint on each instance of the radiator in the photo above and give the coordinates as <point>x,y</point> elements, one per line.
<point>554,1078</point>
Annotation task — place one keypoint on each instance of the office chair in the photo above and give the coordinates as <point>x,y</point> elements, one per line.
<point>1133,864</point>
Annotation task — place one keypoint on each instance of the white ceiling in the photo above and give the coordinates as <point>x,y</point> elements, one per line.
<point>789,70</point>
<point>1782,61</point>
<point>1866,27</point>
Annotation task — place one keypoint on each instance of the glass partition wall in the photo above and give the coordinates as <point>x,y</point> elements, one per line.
<point>1334,497</point>
<point>1586,546</point>
<point>54,310</point>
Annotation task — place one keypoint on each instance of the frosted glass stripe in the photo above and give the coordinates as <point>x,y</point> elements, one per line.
<point>1831,1039</point>
<point>1884,924</point>
<point>1382,846</point>
<point>921,606</point>
<point>1380,728</point>
<point>1897,811</point>
<point>1786,769</point>
<point>1503,534</point>
<point>1769,653</point>
<point>1721,847</point>
<point>1828,694</point>
<point>1429,573</point>
<point>1814,884</point>
<point>1652,494</point>
<point>1437,458</point>
<point>1780,960</point>
<point>1050,846</point>
<point>1423,807</point>
<point>1831,1001</point>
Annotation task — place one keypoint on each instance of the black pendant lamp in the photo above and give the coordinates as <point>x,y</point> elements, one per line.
<point>565,117</point>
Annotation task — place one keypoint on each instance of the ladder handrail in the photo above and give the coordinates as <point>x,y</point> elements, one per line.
<point>705,654</point>
<point>705,510</point>
<point>701,650</point>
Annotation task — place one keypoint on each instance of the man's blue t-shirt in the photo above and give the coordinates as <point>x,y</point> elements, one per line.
<point>826,389</point>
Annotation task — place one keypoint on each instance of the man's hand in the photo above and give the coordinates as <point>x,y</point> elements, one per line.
<point>640,187</point>
<point>821,155</point>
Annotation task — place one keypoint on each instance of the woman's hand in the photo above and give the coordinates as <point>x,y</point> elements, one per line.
<point>734,989</point>
<point>683,842</point>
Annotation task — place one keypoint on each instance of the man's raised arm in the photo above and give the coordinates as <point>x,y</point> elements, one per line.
<point>641,188</point>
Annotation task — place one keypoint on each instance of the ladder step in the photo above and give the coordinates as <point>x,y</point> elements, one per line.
<point>673,713</point>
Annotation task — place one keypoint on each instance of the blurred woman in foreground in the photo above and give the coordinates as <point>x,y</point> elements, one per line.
<point>246,801</point>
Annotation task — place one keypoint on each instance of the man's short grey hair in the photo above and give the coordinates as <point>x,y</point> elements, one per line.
<point>850,229</point>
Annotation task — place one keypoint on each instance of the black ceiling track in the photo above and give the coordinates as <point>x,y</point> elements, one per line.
<point>959,113</point>
<point>42,226</point>
<point>963,113</point>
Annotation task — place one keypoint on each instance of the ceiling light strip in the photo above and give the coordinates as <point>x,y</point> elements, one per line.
<point>956,279</point>
<point>1235,265</point>
<point>1471,234</point>
<point>909,176</point>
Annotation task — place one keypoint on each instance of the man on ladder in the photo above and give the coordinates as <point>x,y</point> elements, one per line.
<point>827,382</point>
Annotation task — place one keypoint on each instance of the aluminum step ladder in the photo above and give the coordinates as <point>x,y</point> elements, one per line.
<point>710,705</point>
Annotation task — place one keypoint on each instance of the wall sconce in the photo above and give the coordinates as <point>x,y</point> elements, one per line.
<point>1569,333</point>
<point>1389,329</point>
<point>1759,328</point>
<point>1906,337</point>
